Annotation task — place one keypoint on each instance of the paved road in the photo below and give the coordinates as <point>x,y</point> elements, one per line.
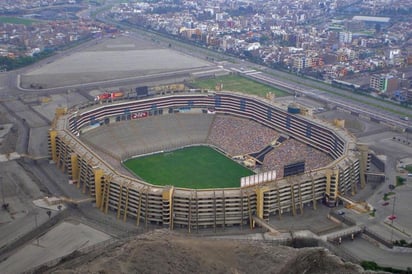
<point>369,252</point>
<point>184,73</point>
<point>355,104</point>
<point>386,110</point>
<point>61,240</point>
<point>18,228</point>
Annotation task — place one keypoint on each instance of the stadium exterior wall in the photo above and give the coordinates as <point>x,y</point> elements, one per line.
<point>212,208</point>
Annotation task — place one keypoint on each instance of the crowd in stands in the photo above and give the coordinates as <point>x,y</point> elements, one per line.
<point>292,151</point>
<point>239,136</point>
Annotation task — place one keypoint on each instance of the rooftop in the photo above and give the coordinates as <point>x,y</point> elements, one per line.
<point>372,19</point>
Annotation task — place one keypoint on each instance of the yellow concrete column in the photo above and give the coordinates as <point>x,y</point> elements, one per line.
<point>75,167</point>
<point>53,134</point>
<point>328,174</point>
<point>60,111</point>
<point>260,191</point>
<point>104,191</point>
<point>98,174</point>
<point>167,195</point>
<point>363,163</point>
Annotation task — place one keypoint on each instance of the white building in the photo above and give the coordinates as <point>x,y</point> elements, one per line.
<point>345,37</point>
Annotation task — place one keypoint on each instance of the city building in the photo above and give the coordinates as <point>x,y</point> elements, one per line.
<point>384,83</point>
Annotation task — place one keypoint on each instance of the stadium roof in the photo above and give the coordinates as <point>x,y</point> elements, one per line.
<point>372,19</point>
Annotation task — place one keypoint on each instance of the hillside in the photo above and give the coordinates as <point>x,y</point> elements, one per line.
<point>166,252</point>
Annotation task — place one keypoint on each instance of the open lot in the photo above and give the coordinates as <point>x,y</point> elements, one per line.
<point>18,190</point>
<point>48,108</point>
<point>61,240</point>
<point>124,58</point>
<point>311,219</point>
<point>356,125</point>
<point>139,61</point>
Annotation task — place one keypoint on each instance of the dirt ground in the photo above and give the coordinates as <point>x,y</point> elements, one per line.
<point>62,239</point>
<point>353,124</point>
<point>109,59</point>
<point>8,135</point>
<point>162,251</point>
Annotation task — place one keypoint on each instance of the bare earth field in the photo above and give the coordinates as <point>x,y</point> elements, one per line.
<point>163,251</point>
<point>354,124</point>
<point>110,59</point>
<point>63,239</point>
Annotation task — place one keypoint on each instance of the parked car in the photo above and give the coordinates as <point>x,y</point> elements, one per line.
<point>392,217</point>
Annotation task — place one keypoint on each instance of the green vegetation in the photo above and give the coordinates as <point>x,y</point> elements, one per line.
<point>400,181</point>
<point>16,20</point>
<point>386,195</point>
<point>194,167</point>
<point>101,6</point>
<point>292,77</point>
<point>409,168</point>
<point>402,243</point>
<point>97,2</point>
<point>370,265</point>
<point>367,32</point>
<point>350,97</point>
<point>7,63</point>
<point>15,63</point>
<point>239,84</point>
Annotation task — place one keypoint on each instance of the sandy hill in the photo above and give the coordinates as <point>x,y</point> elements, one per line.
<point>162,251</point>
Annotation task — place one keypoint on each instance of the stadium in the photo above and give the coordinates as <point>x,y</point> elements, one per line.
<point>90,143</point>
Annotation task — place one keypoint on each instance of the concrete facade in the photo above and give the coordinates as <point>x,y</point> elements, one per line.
<point>208,208</point>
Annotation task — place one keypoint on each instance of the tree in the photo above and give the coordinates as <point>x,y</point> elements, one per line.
<point>378,28</point>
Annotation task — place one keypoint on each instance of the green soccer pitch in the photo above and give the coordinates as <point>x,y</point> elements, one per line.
<point>198,167</point>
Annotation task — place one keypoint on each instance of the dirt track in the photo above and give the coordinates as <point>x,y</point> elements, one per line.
<point>166,252</point>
